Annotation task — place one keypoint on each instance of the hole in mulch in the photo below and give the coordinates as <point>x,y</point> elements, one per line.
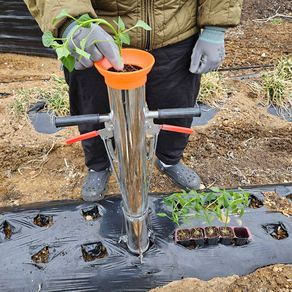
<point>93,251</point>
<point>277,230</point>
<point>91,213</point>
<point>254,202</point>
<point>289,197</point>
<point>42,256</point>
<point>43,221</point>
<point>7,230</point>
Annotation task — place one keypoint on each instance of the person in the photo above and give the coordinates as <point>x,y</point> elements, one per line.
<point>186,40</point>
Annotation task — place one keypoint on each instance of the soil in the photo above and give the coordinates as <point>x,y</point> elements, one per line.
<point>242,145</point>
<point>228,233</point>
<point>183,235</point>
<point>211,232</point>
<point>196,233</point>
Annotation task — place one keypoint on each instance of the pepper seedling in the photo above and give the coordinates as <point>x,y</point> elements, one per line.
<point>60,45</point>
<point>231,202</point>
<point>181,204</point>
<point>204,205</point>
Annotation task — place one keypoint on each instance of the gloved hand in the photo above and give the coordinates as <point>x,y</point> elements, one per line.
<point>209,51</point>
<point>105,48</point>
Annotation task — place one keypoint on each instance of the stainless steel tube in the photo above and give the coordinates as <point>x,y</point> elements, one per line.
<point>130,140</point>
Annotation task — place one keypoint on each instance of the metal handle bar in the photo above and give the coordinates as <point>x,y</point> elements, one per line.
<point>187,112</point>
<point>81,120</point>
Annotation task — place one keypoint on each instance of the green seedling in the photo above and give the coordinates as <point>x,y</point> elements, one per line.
<point>61,44</point>
<point>205,205</point>
<point>232,203</point>
<point>181,204</point>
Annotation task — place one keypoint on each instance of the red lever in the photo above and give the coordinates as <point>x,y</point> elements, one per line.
<point>82,137</point>
<point>176,129</point>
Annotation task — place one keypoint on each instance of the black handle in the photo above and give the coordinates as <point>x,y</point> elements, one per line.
<point>77,120</point>
<point>188,112</point>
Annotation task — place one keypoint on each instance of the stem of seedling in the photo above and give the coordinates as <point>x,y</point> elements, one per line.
<point>226,220</point>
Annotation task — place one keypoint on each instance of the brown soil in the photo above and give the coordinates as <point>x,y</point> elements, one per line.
<point>228,233</point>
<point>196,233</point>
<point>211,232</point>
<point>183,235</point>
<point>242,145</point>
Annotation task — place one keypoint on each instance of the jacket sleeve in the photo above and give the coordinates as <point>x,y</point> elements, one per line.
<point>45,11</point>
<point>224,13</point>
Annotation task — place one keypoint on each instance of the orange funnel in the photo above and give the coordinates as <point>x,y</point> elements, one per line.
<point>127,80</point>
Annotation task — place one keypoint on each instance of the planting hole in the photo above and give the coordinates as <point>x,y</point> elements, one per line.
<point>43,221</point>
<point>254,202</point>
<point>7,230</point>
<point>91,213</point>
<point>289,197</point>
<point>93,251</point>
<point>42,256</point>
<point>277,230</point>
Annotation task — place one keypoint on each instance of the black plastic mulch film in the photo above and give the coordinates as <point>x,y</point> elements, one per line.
<point>74,246</point>
<point>19,32</point>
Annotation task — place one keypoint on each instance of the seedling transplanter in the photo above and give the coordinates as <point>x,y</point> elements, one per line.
<point>128,122</point>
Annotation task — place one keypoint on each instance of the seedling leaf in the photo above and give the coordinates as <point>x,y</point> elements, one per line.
<point>81,53</point>
<point>62,13</point>
<point>121,24</point>
<point>210,197</point>
<point>68,62</point>
<point>161,214</point>
<point>142,24</point>
<point>214,189</point>
<point>62,52</point>
<point>47,39</point>
<point>124,37</point>
<point>84,18</point>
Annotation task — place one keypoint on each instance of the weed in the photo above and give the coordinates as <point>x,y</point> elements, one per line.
<point>275,87</point>
<point>212,89</point>
<point>276,21</point>
<point>56,98</point>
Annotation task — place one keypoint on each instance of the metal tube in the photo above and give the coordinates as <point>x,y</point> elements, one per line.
<point>130,139</point>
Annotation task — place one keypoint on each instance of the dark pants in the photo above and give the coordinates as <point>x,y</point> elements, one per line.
<point>169,85</point>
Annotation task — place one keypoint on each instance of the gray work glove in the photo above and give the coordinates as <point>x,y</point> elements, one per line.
<point>209,51</point>
<point>104,48</point>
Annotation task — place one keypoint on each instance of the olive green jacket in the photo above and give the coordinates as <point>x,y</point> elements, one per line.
<point>171,21</point>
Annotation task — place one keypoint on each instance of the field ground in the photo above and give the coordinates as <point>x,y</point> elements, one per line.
<point>242,145</point>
